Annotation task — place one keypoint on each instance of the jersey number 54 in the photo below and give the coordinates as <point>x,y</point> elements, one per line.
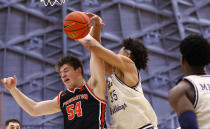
<point>71,110</point>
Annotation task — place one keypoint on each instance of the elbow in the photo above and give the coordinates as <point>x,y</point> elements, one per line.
<point>90,44</point>
<point>33,113</point>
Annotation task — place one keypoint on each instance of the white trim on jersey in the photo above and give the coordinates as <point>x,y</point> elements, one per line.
<point>100,100</point>
<point>99,115</point>
<point>149,126</point>
<point>205,75</point>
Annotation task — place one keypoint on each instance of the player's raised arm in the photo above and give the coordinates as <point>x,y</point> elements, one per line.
<point>95,31</point>
<point>116,60</point>
<point>97,81</point>
<point>31,107</point>
<point>110,58</point>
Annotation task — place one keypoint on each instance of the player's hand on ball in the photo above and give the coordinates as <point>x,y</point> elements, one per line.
<point>95,18</point>
<point>10,82</point>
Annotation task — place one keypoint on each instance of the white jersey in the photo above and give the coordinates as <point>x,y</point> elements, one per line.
<point>202,99</point>
<point>128,106</point>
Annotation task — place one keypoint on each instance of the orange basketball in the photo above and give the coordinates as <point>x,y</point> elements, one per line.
<point>76,25</point>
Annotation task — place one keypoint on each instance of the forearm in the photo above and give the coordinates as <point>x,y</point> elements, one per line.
<point>23,101</point>
<point>107,55</point>
<point>35,108</point>
<point>96,32</point>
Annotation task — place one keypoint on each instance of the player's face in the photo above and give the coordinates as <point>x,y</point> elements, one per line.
<point>69,76</point>
<point>13,125</point>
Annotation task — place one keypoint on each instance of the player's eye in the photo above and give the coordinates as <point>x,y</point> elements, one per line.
<point>66,71</point>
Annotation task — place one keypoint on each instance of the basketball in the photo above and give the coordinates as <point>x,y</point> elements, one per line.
<point>76,25</point>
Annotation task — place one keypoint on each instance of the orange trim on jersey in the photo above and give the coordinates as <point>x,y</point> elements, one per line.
<point>59,97</point>
<point>94,94</point>
<point>102,118</point>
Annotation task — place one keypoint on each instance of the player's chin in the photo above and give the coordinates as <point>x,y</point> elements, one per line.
<point>67,83</point>
<point>64,83</point>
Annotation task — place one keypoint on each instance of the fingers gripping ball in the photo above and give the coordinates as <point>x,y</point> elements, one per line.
<point>76,25</point>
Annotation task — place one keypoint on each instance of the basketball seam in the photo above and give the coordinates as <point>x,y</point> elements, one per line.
<point>83,17</point>
<point>76,29</point>
<point>84,31</point>
<point>77,21</point>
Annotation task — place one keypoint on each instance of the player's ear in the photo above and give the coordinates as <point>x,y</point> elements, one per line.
<point>129,55</point>
<point>79,70</point>
<point>182,60</point>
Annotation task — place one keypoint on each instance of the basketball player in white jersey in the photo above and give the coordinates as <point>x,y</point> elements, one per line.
<point>129,108</point>
<point>190,98</point>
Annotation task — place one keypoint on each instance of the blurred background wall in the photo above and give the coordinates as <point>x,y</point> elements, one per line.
<point>32,40</point>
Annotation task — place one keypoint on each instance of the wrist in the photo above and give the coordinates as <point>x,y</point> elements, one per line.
<point>12,90</point>
<point>97,24</point>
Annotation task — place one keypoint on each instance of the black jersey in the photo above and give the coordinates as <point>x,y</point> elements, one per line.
<point>82,109</point>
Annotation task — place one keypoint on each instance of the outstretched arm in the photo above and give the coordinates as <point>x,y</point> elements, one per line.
<point>31,107</point>
<point>181,99</point>
<point>116,60</point>
<point>96,34</point>
<point>97,81</point>
<point>97,26</point>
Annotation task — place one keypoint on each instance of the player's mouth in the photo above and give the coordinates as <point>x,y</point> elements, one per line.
<point>66,80</point>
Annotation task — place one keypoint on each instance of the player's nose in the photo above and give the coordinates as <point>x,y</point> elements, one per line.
<point>63,75</point>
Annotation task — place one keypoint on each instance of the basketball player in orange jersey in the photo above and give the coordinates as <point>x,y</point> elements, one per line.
<point>129,108</point>
<point>82,104</point>
<point>190,97</point>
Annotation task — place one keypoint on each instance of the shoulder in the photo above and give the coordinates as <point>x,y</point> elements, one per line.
<point>62,94</point>
<point>181,97</point>
<point>126,59</point>
<point>181,88</point>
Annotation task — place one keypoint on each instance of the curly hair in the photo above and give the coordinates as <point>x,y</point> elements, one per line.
<point>139,53</point>
<point>70,60</point>
<point>195,50</point>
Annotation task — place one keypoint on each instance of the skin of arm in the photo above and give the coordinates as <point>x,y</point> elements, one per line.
<point>97,81</point>
<point>96,34</point>
<point>181,97</point>
<point>31,107</point>
<point>97,26</point>
<point>121,62</point>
